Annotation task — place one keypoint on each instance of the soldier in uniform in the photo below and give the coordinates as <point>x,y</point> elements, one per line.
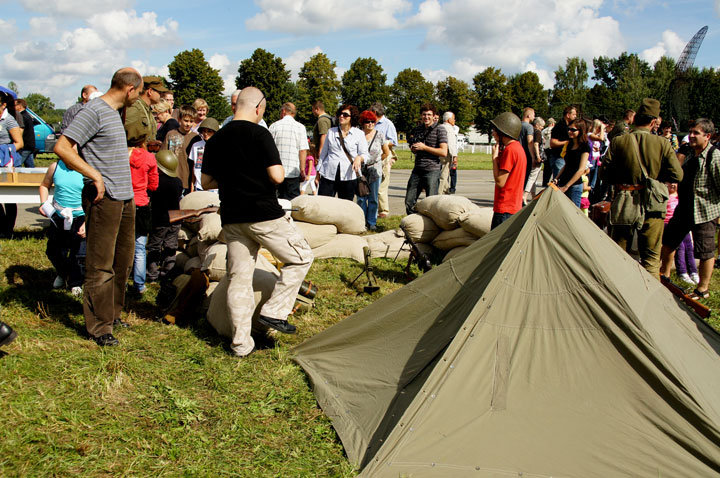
<point>622,169</point>
<point>139,117</point>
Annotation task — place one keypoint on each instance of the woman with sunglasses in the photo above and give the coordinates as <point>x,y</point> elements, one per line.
<point>378,150</point>
<point>577,152</point>
<point>343,153</point>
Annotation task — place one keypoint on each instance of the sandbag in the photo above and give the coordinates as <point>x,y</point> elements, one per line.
<point>420,228</point>
<point>193,263</point>
<point>447,240</point>
<point>202,247</point>
<point>210,227</point>
<point>317,234</point>
<point>180,260</point>
<point>192,247</point>
<point>218,315</point>
<point>347,216</point>
<point>185,234</point>
<point>200,200</point>
<point>214,261</point>
<point>454,252</point>
<point>344,245</point>
<point>477,222</point>
<point>445,209</point>
<point>387,244</point>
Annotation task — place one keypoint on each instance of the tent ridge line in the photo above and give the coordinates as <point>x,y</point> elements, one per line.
<point>472,468</point>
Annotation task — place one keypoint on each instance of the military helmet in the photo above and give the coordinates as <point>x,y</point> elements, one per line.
<point>167,162</point>
<point>508,124</point>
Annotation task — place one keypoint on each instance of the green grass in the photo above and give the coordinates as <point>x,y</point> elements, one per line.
<point>43,160</point>
<point>465,160</point>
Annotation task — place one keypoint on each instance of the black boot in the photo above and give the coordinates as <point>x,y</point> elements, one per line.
<point>7,334</point>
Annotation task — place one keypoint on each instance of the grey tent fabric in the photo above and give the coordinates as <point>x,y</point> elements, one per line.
<point>543,349</point>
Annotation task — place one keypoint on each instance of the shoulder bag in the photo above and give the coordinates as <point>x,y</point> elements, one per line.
<point>362,187</point>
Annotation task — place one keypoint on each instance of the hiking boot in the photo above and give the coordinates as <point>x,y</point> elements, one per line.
<point>7,334</point>
<point>280,325</point>
<point>106,340</point>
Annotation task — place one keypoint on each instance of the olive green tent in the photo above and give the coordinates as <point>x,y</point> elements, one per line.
<point>542,350</point>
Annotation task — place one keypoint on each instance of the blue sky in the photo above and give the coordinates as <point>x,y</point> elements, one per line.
<point>55,47</point>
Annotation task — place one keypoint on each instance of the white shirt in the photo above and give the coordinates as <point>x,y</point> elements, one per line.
<point>290,138</point>
<point>386,127</point>
<point>333,156</point>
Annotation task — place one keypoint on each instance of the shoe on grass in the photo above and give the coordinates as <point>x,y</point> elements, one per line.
<point>697,294</point>
<point>280,325</point>
<point>106,340</point>
<point>685,277</point>
<point>58,283</point>
<point>695,278</point>
<point>7,334</point>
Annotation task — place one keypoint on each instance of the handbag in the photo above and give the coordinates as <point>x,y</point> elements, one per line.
<point>655,195</point>
<point>362,188</point>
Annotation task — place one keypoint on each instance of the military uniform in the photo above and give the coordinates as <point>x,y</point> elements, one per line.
<point>621,168</point>
<point>139,119</point>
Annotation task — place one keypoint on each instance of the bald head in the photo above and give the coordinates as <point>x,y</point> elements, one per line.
<point>87,90</point>
<point>125,77</point>
<point>250,104</point>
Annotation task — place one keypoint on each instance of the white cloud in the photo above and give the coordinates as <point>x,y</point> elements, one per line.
<point>320,16</point>
<point>122,27</point>
<point>297,59</point>
<point>8,29</point>
<point>43,26</point>
<point>671,45</point>
<point>146,69</point>
<point>433,76</point>
<point>546,78</point>
<point>75,8</point>
<point>228,71</point>
<point>339,71</point>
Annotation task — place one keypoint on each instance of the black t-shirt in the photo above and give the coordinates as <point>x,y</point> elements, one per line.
<point>169,125</point>
<point>572,163</point>
<point>28,132</point>
<point>560,133</point>
<point>237,157</point>
<point>165,198</point>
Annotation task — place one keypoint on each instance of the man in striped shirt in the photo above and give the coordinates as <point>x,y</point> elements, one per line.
<point>107,198</point>
<point>292,143</point>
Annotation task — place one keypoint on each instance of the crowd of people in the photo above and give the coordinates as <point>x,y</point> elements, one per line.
<point>119,175</point>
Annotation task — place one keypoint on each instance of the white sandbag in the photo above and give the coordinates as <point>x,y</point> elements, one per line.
<point>214,261</point>
<point>200,200</point>
<point>317,234</point>
<point>445,209</point>
<point>447,240</point>
<point>185,234</point>
<point>454,252</point>
<point>344,245</point>
<point>192,247</point>
<point>387,244</point>
<point>210,227</point>
<point>421,228</point>
<point>347,216</point>
<point>180,260</point>
<point>218,315</point>
<point>202,247</point>
<point>477,222</point>
<point>193,263</point>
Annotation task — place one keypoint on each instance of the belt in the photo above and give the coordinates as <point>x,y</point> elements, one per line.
<point>630,187</point>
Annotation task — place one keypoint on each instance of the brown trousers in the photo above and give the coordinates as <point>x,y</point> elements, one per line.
<point>110,229</point>
<point>649,242</point>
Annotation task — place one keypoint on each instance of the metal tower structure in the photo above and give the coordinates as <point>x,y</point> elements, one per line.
<point>679,87</point>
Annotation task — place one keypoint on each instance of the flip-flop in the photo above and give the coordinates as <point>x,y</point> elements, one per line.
<point>696,294</point>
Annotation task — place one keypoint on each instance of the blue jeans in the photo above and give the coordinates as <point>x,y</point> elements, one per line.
<point>369,204</point>
<point>27,159</point>
<point>139,266</point>
<point>498,218</point>
<point>419,180</point>
<point>575,193</point>
<point>557,164</point>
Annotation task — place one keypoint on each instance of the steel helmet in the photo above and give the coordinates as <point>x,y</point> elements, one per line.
<point>508,124</point>
<point>167,162</point>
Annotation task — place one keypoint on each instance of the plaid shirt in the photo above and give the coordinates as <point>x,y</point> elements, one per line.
<point>290,138</point>
<point>706,187</point>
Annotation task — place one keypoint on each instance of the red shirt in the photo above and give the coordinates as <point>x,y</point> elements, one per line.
<point>144,172</point>
<point>509,198</point>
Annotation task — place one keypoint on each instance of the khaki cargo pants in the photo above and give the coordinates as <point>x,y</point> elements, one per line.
<point>287,244</point>
<point>383,199</point>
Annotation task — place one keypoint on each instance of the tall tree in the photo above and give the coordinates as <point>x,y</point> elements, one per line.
<point>660,80</point>
<point>632,84</point>
<point>13,86</point>
<point>44,107</point>
<point>192,77</point>
<point>570,85</point>
<point>492,97</point>
<point>455,95</point>
<point>267,72</point>
<point>364,83</point>
<point>527,92</point>
<point>408,92</point>
<point>317,81</point>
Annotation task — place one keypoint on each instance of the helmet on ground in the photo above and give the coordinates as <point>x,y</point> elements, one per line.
<point>167,162</point>
<point>508,124</point>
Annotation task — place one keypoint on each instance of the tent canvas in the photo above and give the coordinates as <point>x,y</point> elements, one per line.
<point>541,350</point>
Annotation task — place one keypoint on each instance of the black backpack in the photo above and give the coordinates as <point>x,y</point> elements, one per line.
<point>333,119</point>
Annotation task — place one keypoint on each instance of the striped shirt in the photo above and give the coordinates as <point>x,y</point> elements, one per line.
<point>706,186</point>
<point>290,138</point>
<point>99,133</point>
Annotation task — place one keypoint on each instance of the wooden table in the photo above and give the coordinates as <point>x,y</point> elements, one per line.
<point>20,185</point>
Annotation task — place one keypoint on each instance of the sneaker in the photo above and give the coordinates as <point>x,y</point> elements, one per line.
<point>7,334</point>
<point>383,214</point>
<point>686,278</point>
<point>120,324</point>
<point>59,283</point>
<point>76,291</point>
<point>695,277</point>
<point>280,325</point>
<point>106,340</point>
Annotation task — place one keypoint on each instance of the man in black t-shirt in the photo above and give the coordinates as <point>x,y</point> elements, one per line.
<point>242,161</point>
<point>27,153</point>
<point>559,138</point>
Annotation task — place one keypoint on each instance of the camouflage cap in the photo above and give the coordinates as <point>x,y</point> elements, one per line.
<point>154,82</point>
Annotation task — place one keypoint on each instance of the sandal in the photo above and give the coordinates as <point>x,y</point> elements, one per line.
<point>696,294</point>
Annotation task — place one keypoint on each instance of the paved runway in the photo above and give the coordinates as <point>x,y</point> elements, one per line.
<point>475,185</point>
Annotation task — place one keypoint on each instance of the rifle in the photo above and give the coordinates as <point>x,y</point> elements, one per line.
<point>700,309</point>
<point>177,215</point>
<point>416,254</point>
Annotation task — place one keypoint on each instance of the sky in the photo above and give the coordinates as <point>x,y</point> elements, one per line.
<point>55,47</point>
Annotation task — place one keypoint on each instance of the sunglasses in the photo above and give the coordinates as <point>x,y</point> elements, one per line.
<point>261,100</point>
<point>574,130</point>
<point>344,115</point>
<point>368,122</point>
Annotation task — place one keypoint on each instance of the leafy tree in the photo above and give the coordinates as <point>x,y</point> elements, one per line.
<point>409,91</point>
<point>632,84</point>
<point>570,85</point>
<point>703,101</point>
<point>492,97</point>
<point>364,83</point>
<point>608,70</point>
<point>660,80</point>
<point>317,81</point>
<point>526,91</point>
<point>455,95</point>
<point>601,100</point>
<point>191,77</point>
<point>267,72</point>
<point>14,87</point>
<point>44,107</point>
